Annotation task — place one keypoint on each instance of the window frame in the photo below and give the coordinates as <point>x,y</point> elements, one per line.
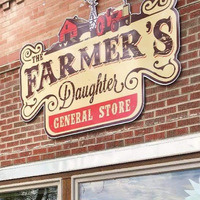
<point>33,185</point>
<point>133,171</point>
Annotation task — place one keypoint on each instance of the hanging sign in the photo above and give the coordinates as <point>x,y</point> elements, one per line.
<point>93,76</point>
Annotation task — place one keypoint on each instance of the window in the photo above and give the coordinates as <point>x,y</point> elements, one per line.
<point>172,181</point>
<point>46,190</point>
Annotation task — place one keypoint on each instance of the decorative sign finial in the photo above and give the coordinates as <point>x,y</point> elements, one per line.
<point>125,2</point>
<point>93,13</point>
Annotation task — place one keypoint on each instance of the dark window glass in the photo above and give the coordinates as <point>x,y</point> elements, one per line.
<point>32,194</point>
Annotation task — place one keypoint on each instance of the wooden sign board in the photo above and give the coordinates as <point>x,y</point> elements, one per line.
<point>93,77</point>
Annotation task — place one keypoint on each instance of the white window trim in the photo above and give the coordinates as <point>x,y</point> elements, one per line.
<point>134,171</point>
<point>33,185</point>
<point>152,150</point>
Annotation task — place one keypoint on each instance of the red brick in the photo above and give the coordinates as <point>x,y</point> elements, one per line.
<point>33,145</point>
<point>7,139</point>
<point>6,115</point>
<point>152,98</point>
<point>191,88</point>
<point>190,105</point>
<point>15,65</point>
<point>154,121</point>
<point>33,158</point>
<point>188,122</point>
<point>6,127</point>
<point>155,136</point>
<point>54,148</point>
<point>26,141</point>
<point>177,100</point>
<point>2,146</point>
<point>156,105</point>
<point>4,133</point>
<point>27,128</point>
<point>13,119</point>
<point>48,156</point>
<point>184,17</point>
<point>12,144</point>
<point>6,163</point>
<point>3,60</point>
<point>11,107</point>
<point>166,126</point>
<point>2,158</point>
<point>188,39</point>
<point>189,24</point>
<point>168,94</point>
<point>166,111</point>
<point>195,95</point>
<point>40,151</point>
<point>12,156</point>
<point>5,103</point>
<point>195,129</point>
<point>189,8</point>
<point>136,140</point>
<point>123,135</point>
<point>80,150</point>
<point>2,122</point>
<point>155,90</point>
<point>96,147</point>
<point>25,154</point>
<point>194,30</point>
<point>114,144</point>
<point>13,131</point>
<point>19,161</point>
<point>148,115</point>
<point>87,142</point>
<point>8,90</point>
<point>195,111</point>
<point>34,133</point>
<point>180,3</point>
<point>189,56</point>
<point>193,46</point>
<point>70,145</point>
<point>176,116</point>
<point>190,72</point>
<point>105,138</point>
<point>177,132</point>
<point>144,131</point>
<point>135,124</point>
<point>40,138</point>
<point>4,68</point>
<point>195,79</point>
<point>64,153</point>
<point>20,136</point>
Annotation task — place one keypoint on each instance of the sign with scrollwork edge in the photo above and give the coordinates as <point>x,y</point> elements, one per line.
<point>93,77</point>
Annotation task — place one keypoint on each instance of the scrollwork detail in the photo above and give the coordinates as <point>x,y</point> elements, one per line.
<point>53,102</point>
<point>29,51</point>
<point>150,7</point>
<point>29,110</point>
<point>163,67</point>
<point>131,81</point>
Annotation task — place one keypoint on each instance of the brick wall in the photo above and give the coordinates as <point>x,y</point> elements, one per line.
<point>170,111</point>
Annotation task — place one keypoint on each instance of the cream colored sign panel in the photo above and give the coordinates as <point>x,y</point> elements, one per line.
<point>93,77</point>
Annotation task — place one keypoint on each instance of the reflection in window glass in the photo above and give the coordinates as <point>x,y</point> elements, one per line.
<point>181,185</point>
<point>33,194</point>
